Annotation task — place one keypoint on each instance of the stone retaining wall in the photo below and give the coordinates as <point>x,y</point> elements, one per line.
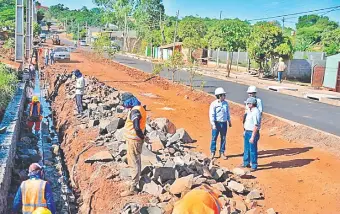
<point>11,120</point>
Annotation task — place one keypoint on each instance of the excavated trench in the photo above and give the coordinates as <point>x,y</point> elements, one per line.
<point>44,149</point>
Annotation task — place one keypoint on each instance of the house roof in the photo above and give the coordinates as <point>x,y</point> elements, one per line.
<point>171,45</point>
<point>42,7</point>
<point>131,34</point>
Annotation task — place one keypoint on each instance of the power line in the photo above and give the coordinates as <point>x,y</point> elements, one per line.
<point>293,14</point>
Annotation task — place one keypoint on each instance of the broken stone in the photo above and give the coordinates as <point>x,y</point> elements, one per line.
<point>148,157</point>
<point>122,149</point>
<point>239,172</point>
<point>236,187</point>
<point>115,124</point>
<point>155,141</point>
<point>182,184</point>
<point>178,161</point>
<point>254,211</point>
<point>130,208</point>
<point>151,210</point>
<point>164,125</point>
<point>199,180</point>
<point>124,173</point>
<point>271,211</point>
<point>164,174</point>
<point>93,123</point>
<point>153,189</point>
<point>102,156</point>
<point>165,197</point>
<point>92,106</point>
<point>169,163</point>
<point>219,175</point>
<point>219,186</point>
<point>254,194</point>
<point>119,135</point>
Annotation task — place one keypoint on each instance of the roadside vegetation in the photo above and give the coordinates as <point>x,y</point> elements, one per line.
<point>8,83</point>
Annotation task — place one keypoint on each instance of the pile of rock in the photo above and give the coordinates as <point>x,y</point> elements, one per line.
<point>169,167</point>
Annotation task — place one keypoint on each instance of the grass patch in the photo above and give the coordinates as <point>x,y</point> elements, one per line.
<point>8,84</point>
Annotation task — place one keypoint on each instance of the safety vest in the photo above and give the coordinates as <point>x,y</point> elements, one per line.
<point>33,195</point>
<point>129,131</point>
<point>31,109</point>
<point>198,201</point>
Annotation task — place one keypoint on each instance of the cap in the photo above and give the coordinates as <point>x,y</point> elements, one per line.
<point>251,100</point>
<point>34,167</point>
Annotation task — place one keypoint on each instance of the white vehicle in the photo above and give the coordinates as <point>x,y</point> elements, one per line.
<point>62,54</point>
<point>82,43</point>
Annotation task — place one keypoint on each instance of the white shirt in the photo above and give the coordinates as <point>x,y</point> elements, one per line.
<point>80,85</point>
<point>219,112</point>
<point>259,105</point>
<point>253,119</point>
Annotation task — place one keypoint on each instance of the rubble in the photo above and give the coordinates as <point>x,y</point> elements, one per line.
<point>254,194</point>
<point>103,156</point>
<point>235,186</point>
<point>182,184</point>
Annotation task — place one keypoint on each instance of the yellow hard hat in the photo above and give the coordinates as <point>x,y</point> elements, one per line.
<point>41,210</point>
<point>35,99</point>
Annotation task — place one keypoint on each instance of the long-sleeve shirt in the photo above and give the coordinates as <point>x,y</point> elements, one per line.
<point>17,204</point>
<point>219,112</point>
<point>80,85</point>
<point>253,119</point>
<point>135,116</point>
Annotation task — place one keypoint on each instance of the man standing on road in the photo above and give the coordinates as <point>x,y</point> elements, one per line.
<point>252,127</point>
<point>219,116</point>
<point>80,88</point>
<point>34,192</point>
<point>134,134</point>
<point>281,67</point>
<point>52,56</point>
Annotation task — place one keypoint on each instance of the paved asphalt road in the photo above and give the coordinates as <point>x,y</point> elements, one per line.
<point>308,112</point>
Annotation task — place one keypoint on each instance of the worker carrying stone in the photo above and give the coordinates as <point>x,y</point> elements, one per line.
<point>219,116</point>
<point>252,126</point>
<point>200,200</point>
<point>80,89</point>
<point>35,115</point>
<point>34,193</point>
<point>134,134</point>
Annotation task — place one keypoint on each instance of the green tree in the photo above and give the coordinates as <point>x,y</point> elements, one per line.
<point>174,64</point>
<point>36,29</point>
<point>331,41</point>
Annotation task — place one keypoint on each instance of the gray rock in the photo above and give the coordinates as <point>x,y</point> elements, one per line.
<point>92,106</point>
<point>164,125</point>
<point>119,135</point>
<point>113,146</point>
<point>148,128</point>
<point>164,174</point>
<point>151,210</point>
<point>153,189</point>
<point>254,194</point>
<point>130,208</point>
<point>102,126</point>
<point>219,174</point>
<point>239,172</point>
<point>236,187</point>
<point>199,180</point>
<point>180,135</point>
<point>179,161</point>
<point>148,157</point>
<point>182,184</point>
<point>155,141</point>
<point>122,149</point>
<point>219,186</point>
<point>115,124</point>
<point>102,156</point>
<point>124,173</point>
<point>93,123</point>
<point>169,163</point>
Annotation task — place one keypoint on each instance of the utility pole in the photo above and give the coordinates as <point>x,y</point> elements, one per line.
<point>221,15</point>
<point>162,32</point>
<point>86,33</point>
<point>283,24</point>
<point>175,35</point>
<point>125,33</point>
<point>78,33</point>
<point>31,23</point>
<point>19,31</point>
<point>28,29</point>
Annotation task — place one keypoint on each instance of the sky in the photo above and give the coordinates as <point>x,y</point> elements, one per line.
<point>242,9</point>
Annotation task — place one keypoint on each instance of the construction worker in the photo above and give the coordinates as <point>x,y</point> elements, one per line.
<point>252,91</point>
<point>42,210</point>
<point>34,193</point>
<point>200,200</point>
<point>52,56</point>
<point>35,115</point>
<point>219,115</point>
<point>135,136</point>
<point>281,67</point>
<point>80,88</point>
<point>252,127</point>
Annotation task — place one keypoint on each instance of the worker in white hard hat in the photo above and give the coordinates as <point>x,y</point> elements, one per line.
<point>252,92</point>
<point>219,116</point>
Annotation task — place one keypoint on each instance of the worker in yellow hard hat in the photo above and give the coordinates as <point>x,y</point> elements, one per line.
<point>198,201</point>
<point>35,194</point>
<point>42,210</point>
<point>35,115</point>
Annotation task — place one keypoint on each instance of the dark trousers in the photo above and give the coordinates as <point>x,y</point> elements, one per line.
<point>221,129</point>
<point>279,76</point>
<point>79,102</point>
<point>250,150</point>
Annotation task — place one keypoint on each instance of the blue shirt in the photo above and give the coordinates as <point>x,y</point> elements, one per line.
<point>219,112</point>
<point>253,119</point>
<point>17,204</point>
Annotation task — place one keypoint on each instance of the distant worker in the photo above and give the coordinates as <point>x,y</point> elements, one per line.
<point>52,56</point>
<point>42,210</point>
<point>252,127</point>
<point>200,200</point>
<point>252,92</point>
<point>80,89</point>
<point>29,90</point>
<point>219,115</point>
<point>46,55</point>
<point>35,115</point>
<point>34,193</point>
<point>281,67</point>
<point>31,70</point>
<point>135,136</point>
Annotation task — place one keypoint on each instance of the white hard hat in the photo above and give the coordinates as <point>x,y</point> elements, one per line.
<point>252,89</point>
<point>219,91</point>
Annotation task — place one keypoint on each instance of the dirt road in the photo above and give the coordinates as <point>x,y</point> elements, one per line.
<point>294,178</point>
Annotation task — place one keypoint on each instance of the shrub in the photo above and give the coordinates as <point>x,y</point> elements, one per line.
<point>8,82</point>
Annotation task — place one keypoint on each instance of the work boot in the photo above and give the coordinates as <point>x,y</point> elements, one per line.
<point>224,157</point>
<point>131,191</point>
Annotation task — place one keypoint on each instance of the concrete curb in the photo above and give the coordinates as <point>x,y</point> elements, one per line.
<point>11,120</point>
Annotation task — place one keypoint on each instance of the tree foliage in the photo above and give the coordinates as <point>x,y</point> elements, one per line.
<point>174,64</point>
<point>331,41</point>
<point>36,29</point>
